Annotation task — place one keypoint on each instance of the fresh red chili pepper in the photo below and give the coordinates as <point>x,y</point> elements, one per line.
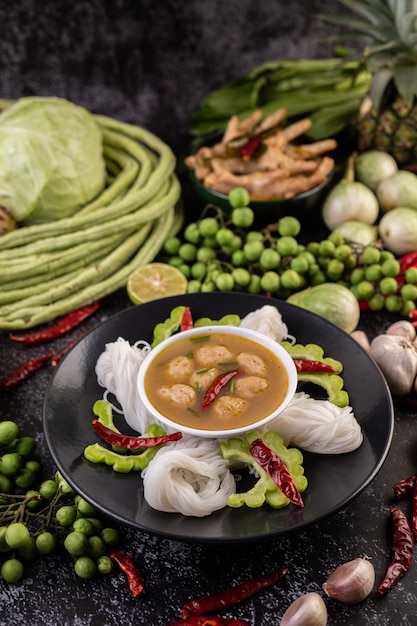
<point>134,577</point>
<point>187,319</point>
<point>24,370</point>
<point>249,148</point>
<point>216,386</point>
<point>277,470</point>
<point>412,315</point>
<point>402,547</point>
<point>407,261</point>
<point>404,489</point>
<point>231,596</point>
<point>212,620</point>
<point>131,443</point>
<point>64,325</point>
<point>364,305</point>
<point>308,365</point>
<point>400,280</point>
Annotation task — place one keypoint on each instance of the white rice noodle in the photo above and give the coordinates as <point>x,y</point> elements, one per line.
<point>188,476</point>
<point>117,371</point>
<point>268,321</point>
<point>318,426</point>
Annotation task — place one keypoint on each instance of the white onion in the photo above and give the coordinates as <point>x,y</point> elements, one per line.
<point>398,230</point>
<point>399,189</point>
<point>349,201</point>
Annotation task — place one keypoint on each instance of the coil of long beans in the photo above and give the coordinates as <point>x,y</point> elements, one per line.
<point>50,269</point>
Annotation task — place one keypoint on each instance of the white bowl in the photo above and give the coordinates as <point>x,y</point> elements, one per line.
<point>170,424</point>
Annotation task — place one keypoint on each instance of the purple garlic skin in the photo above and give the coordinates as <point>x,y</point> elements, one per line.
<point>351,582</point>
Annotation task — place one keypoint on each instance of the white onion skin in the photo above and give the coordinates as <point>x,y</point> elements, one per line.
<point>373,166</point>
<point>349,201</point>
<point>399,189</point>
<point>358,232</point>
<point>398,230</point>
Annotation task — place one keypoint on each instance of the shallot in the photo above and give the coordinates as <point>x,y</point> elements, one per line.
<point>307,610</point>
<point>351,582</point>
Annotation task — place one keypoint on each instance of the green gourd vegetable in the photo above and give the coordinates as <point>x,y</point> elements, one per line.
<point>332,301</point>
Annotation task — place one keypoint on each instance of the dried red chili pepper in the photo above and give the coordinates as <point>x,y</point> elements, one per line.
<point>64,325</point>
<point>216,386</point>
<point>231,596</point>
<point>134,577</point>
<point>308,365</point>
<point>128,442</point>
<point>277,470</point>
<point>402,547</point>
<point>404,489</point>
<point>187,319</point>
<point>414,512</point>
<point>250,147</point>
<point>24,370</point>
<point>212,620</point>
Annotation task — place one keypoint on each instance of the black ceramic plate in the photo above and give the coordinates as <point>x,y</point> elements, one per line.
<point>334,480</point>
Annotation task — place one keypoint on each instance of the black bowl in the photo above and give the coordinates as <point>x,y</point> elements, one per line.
<point>300,206</point>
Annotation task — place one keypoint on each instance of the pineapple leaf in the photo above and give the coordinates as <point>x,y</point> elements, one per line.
<point>367,10</point>
<point>406,82</point>
<point>402,8</point>
<point>407,29</point>
<point>379,83</point>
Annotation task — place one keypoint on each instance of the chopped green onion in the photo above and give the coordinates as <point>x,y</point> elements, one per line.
<point>200,339</point>
<point>206,369</point>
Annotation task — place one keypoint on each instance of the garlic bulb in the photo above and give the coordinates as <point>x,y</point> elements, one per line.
<point>396,356</point>
<point>307,610</point>
<point>402,328</point>
<point>351,582</point>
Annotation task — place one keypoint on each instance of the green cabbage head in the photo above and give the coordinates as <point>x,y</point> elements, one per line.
<point>51,159</point>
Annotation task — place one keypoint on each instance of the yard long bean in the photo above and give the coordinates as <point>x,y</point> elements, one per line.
<point>47,270</point>
<point>163,227</point>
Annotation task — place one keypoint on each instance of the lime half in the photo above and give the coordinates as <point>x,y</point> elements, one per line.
<point>154,281</point>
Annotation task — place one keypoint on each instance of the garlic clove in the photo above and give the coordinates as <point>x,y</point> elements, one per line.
<point>351,582</point>
<point>307,610</point>
<point>402,328</point>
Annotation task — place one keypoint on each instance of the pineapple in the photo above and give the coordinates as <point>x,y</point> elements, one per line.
<point>387,30</point>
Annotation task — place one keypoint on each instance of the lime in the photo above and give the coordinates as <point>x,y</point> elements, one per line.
<point>155,280</point>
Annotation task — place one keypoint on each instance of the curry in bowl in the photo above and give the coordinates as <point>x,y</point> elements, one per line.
<point>217,380</point>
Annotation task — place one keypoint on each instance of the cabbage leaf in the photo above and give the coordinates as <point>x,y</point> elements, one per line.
<point>51,159</point>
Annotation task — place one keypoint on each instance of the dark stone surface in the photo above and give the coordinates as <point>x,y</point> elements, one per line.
<point>150,63</point>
